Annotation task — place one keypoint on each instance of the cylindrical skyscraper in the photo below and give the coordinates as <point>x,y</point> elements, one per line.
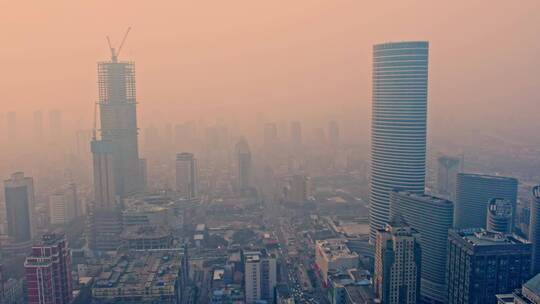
<point>499,215</point>
<point>398,130</point>
<point>534,230</point>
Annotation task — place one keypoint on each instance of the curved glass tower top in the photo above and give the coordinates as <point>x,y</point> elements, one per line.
<point>398,130</point>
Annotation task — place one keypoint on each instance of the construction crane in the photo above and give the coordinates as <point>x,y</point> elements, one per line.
<point>114,53</point>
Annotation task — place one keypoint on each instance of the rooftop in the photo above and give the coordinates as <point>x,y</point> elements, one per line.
<point>138,273</point>
<point>336,248</point>
<point>532,286</point>
<point>482,237</point>
<point>422,197</point>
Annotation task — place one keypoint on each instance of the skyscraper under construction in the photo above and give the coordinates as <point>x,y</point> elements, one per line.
<point>115,153</point>
<point>118,117</point>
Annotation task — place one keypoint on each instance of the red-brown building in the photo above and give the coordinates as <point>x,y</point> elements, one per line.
<point>48,271</point>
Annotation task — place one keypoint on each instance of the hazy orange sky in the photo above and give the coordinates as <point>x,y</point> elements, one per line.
<point>302,56</point>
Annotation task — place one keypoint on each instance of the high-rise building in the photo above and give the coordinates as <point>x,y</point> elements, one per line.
<point>296,134</point>
<point>398,130</point>
<point>447,169</point>
<point>186,175</point>
<point>473,193</point>
<point>260,272</point>
<point>104,180</point>
<point>243,154</point>
<point>499,216</point>
<point>48,271</point>
<point>299,189</point>
<point>482,264</point>
<point>63,205</point>
<point>117,108</point>
<point>431,217</point>
<point>333,133</point>
<point>397,263</point>
<point>534,229</point>
<point>19,196</point>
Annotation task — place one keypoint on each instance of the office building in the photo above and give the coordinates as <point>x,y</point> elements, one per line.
<point>431,217</point>
<point>186,175</point>
<point>397,263</point>
<point>19,196</point>
<point>260,272</point>
<point>118,115</point>
<point>398,130</point>
<point>482,264</point>
<point>473,193</point>
<point>447,169</point>
<point>499,216</point>
<point>48,271</point>
<point>63,205</point>
<point>334,255</point>
<point>534,230</point>
<point>243,154</point>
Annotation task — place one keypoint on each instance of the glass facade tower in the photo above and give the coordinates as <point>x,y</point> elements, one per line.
<point>398,131</point>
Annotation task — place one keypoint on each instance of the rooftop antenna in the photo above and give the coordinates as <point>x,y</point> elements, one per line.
<point>114,53</point>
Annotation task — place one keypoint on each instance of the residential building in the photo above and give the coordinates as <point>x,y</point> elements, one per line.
<point>260,272</point>
<point>48,271</point>
<point>63,205</point>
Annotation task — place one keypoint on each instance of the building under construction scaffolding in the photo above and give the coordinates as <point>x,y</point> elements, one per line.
<point>116,153</point>
<point>117,108</point>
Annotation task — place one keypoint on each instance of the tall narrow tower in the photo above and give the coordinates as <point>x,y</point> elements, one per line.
<point>187,175</point>
<point>243,154</point>
<point>117,108</point>
<point>399,123</point>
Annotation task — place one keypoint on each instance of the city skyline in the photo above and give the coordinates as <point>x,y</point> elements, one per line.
<point>246,164</point>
